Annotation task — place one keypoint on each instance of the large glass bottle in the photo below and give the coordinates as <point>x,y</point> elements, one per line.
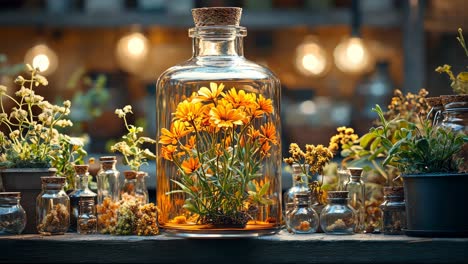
<point>52,207</point>
<point>219,151</point>
<point>81,189</point>
<point>108,180</point>
<point>356,188</point>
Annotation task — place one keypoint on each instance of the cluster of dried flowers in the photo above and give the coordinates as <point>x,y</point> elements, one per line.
<point>56,221</point>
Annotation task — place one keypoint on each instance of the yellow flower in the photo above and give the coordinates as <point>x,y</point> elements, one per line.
<point>268,133</point>
<point>223,115</point>
<point>191,112</point>
<point>240,99</point>
<point>264,105</point>
<point>190,165</point>
<point>171,136</point>
<point>167,152</point>
<point>210,95</point>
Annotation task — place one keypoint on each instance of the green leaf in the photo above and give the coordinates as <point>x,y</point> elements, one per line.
<point>366,139</point>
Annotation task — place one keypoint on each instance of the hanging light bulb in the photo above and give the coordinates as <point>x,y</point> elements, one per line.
<point>43,58</point>
<point>353,56</point>
<point>311,58</point>
<point>131,51</point>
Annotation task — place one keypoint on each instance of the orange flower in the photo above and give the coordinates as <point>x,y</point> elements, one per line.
<point>191,112</point>
<point>264,106</point>
<point>265,151</point>
<point>268,133</point>
<point>209,95</point>
<point>167,152</point>
<point>225,116</point>
<point>190,143</point>
<point>254,134</point>
<point>190,165</point>
<point>241,98</point>
<point>172,136</point>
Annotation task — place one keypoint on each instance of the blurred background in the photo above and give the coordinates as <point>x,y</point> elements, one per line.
<point>336,59</point>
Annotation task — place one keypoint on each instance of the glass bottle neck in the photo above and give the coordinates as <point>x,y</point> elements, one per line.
<point>213,41</point>
<point>300,180</point>
<point>108,165</point>
<point>81,182</point>
<point>87,208</point>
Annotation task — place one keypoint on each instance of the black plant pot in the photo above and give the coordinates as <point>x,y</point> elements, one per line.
<point>436,205</point>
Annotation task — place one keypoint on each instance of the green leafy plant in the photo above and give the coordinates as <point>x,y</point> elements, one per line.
<point>460,82</point>
<point>32,138</point>
<point>131,144</point>
<point>429,149</point>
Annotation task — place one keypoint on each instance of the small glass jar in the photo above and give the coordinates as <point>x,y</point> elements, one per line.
<point>127,191</point>
<point>81,189</point>
<point>394,211</point>
<point>53,207</point>
<point>302,219</point>
<point>108,180</point>
<point>343,177</point>
<point>357,197</point>
<point>12,214</point>
<point>141,191</point>
<point>338,218</point>
<point>87,220</point>
<point>300,184</point>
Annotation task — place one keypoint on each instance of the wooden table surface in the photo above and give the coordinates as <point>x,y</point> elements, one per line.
<point>280,248</point>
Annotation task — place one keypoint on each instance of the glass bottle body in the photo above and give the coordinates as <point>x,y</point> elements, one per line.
<point>356,189</point>
<point>12,214</point>
<point>108,180</point>
<point>141,191</point>
<point>81,189</point>
<point>338,218</point>
<point>218,59</point>
<point>394,211</point>
<point>300,184</point>
<point>456,118</point>
<point>52,207</point>
<point>87,220</point>
<point>302,219</point>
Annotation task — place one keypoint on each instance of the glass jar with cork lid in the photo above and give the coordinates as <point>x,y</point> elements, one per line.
<point>219,151</point>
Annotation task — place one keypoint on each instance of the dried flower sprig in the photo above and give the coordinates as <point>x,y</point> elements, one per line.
<point>314,156</point>
<point>33,139</point>
<point>130,146</point>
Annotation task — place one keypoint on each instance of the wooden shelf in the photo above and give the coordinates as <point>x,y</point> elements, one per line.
<point>281,248</point>
<point>251,19</point>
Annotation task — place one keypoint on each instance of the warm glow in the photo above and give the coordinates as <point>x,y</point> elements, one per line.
<point>311,59</point>
<point>43,58</point>
<point>132,51</point>
<point>352,56</point>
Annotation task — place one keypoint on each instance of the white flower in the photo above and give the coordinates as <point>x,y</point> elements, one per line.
<point>119,113</point>
<point>41,79</point>
<point>3,116</point>
<point>67,103</point>
<point>14,134</point>
<point>19,80</point>
<point>44,105</point>
<point>76,141</point>
<point>128,109</point>
<point>24,92</point>
<point>64,123</point>
<point>29,67</point>
<point>3,89</point>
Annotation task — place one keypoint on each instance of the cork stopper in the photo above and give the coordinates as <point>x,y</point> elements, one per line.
<point>394,191</point>
<point>142,174</point>
<point>434,101</point>
<point>301,195</point>
<point>87,198</point>
<point>107,158</point>
<point>81,169</point>
<point>216,16</point>
<point>447,99</point>
<point>355,172</point>
<point>338,195</point>
<point>10,195</point>
<point>52,180</point>
<point>130,174</point>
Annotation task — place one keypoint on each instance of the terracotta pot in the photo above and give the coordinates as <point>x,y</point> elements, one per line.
<point>435,204</point>
<point>28,182</point>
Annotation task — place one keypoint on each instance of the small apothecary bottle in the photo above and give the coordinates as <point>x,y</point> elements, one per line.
<point>108,180</point>
<point>338,218</point>
<point>302,219</point>
<point>300,184</point>
<point>141,191</point>
<point>394,211</point>
<point>53,207</point>
<point>234,104</point>
<point>357,197</point>
<point>87,220</point>
<point>12,214</point>
<point>81,189</point>
<point>127,191</point>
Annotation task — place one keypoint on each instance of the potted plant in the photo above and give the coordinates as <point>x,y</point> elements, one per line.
<point>31,145</point>
<point>426,157</point>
